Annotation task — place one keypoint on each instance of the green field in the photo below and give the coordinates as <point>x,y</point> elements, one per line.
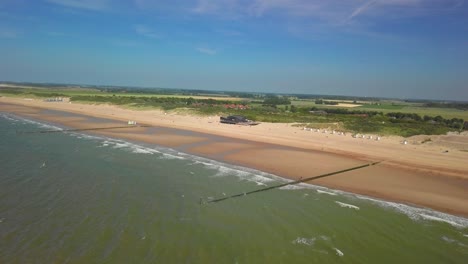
<point>402,107</point>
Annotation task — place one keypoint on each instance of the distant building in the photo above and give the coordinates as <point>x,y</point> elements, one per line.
<point>55,99</point>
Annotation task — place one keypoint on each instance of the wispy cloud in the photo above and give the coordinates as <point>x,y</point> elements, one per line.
<point>331,11</point>
<point>95,5</point>
<point>362,9</point>
<point>146,32</point>
<point>320,17</point>
<point>207,51</point>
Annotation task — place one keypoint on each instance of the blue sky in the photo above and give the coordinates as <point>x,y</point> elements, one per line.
<point>387,48</point>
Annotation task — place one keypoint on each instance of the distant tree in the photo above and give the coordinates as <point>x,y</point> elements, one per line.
<point>438,119</point>
<point>190,101</point>
<point>276,100</point>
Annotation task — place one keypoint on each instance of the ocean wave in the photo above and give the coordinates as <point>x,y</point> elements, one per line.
<point>347,205</point>
<point>225,170</point>
<point>29,121</point>
<point>8,117</point>
<point>438,219</point>
<point>414,213</point>
<point>453,241</point>
<point>325,192</point>
<point>339,253</point>
<point>292,187</point>
<point>85,136</point>
<point>142,151</point>
<point>171,156</point>
<point>321,244</point>
<point>304,241</point>
<point>120,144</point>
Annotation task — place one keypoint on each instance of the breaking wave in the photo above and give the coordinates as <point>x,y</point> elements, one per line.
<point>347,205</point>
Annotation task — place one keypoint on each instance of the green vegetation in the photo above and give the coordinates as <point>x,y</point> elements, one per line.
<point>379,106</point>
<point>320,101</point>
<point>276,100</point>
<point>372,115</point>
<point>31,93</point>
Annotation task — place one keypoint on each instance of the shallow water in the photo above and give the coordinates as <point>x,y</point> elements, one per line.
<point>75,198</point>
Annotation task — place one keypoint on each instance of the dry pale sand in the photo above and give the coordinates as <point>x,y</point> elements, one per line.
<point>421,174</point>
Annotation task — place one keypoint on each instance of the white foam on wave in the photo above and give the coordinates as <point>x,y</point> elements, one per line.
<point>448,240</point>
<point>171,156</point>
<point>339,253</point>
<point>292,187</point>
<point>414,213</point>
<point>142,151</point>
<point>438,219</point>
<point>86,136</point>
<point>347,205</point>
<point>8,117</point>
<point>321,244</point>
<point>304,241</point>
<point>224,170</point>
<point>453,241</point>
<point>39,124</point>
<point>325,192</point>
<point>120,144</point>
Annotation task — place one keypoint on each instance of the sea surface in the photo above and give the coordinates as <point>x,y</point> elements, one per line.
<point>79,198</point>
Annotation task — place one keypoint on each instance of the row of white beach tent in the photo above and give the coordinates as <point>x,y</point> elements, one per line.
<point>340,133</point>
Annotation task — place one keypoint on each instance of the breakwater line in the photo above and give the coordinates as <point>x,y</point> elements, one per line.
<point>290,183</point>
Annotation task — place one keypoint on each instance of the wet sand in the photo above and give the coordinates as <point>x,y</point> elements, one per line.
<point>423,175</point>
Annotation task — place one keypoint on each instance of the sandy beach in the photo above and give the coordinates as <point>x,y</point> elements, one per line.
<point>433,174</point>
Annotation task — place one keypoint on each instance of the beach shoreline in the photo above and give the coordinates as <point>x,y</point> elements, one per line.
<point>429,175</point>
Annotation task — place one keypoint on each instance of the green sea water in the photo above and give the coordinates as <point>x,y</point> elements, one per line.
<point>76,198</point>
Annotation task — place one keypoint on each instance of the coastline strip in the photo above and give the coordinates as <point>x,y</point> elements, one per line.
<point>291,183</point>
<point>78,129</point>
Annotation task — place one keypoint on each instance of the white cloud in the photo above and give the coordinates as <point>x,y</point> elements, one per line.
<point>207,51</point>
<point>95,5</point>
<point>146,31</point>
